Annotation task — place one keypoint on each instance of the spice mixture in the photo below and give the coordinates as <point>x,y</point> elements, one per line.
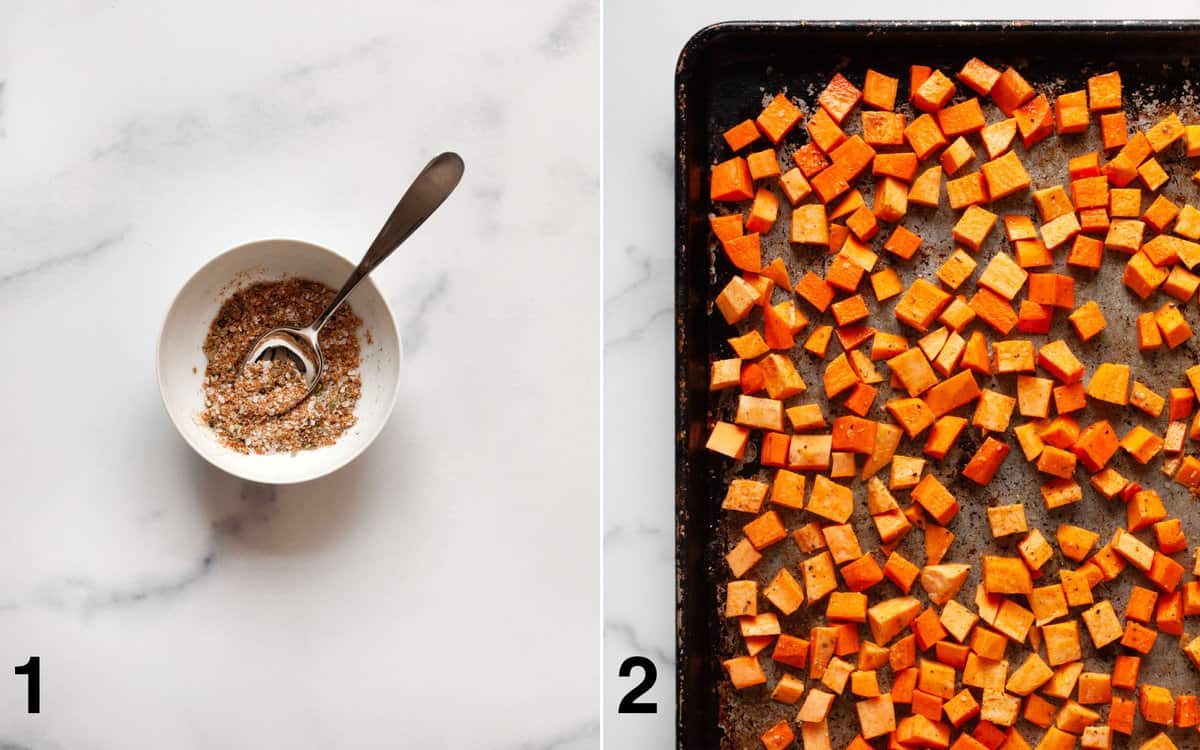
<point>263,410</point>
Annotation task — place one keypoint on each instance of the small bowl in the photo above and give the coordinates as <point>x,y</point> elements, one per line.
<point>181,359</point>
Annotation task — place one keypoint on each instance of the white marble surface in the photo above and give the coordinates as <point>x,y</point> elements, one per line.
<point>441,591</point>
<point>641,42</point>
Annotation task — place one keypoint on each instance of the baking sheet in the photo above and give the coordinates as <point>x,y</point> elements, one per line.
<point>725,74</point>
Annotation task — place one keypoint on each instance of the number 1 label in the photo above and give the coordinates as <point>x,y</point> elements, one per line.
<point>32,670</point>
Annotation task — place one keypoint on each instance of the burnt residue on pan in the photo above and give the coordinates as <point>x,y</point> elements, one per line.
<point>723,76</point>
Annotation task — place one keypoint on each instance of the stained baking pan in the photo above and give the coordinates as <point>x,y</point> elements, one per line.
<point>724,75</point>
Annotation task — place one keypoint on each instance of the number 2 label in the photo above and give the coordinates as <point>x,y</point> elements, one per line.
<point>630,704</point>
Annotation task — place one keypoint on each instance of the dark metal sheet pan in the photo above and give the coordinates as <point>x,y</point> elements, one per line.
<point>723,75</point>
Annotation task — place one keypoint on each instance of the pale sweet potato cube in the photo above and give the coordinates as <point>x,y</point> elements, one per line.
<point>1102,623</point>
<point>831,500</point>
<point>785,592</point>
<point>745,495</point>
<point>728,439</point>
<point>958,620</point>
<point>999,708</point>
<point>876,716</point>
<point>1062,642</point>
<point>820,578</point>
<point>1013,620</point>
<point>942,582</point>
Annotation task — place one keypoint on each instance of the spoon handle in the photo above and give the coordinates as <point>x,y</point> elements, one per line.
<point>428,191</point>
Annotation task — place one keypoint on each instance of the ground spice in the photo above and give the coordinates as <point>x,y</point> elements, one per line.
<point>252,412</point>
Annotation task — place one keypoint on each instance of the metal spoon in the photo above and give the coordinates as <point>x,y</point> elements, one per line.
<point>431,187</point>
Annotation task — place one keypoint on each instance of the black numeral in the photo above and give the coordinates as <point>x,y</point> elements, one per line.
<point>630,704</point>
<point>32,670</point>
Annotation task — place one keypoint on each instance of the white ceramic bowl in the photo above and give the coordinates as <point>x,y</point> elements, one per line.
<point>181,359</point>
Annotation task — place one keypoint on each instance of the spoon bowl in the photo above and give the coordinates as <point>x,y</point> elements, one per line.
<point>297,345</point>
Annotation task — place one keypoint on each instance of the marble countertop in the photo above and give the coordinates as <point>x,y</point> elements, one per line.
<point>441,591</point>
<point>642,41</point>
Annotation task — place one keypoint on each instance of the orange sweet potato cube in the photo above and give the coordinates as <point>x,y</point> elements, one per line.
<point>883,128</point>
<point>1114,132</point>
<point>994,310</point>
<point>1071,112</point>
<point>1181,284</point>
<point>1035,120</point>
<point>1110,383</point>
<point>921,304</point>
<point>1006,575</point>
<point>966,191</point>
<point>1152,174</point>
<point>1165,132</point>
<point>1095,687</point>
<point>986,462</point>
<point>1086,252</point>
<point>794,185</point>
<point>1142,444</point>
<point>780,736</point>
<point>974,226</point>
<point>730,181</point>
<point>1160,213</point>
<point>962,118</point>
<point>778,118</point>
<point>765,530</point>
<point>1033,254</point>
<point>839,97</point>
<point>1171,323</point>
<point>891,199</point>
<point>744,672</point>
<point>1142,276</point>
<point>809,158</point>
<point>1104,91</point>
<point>957,156</point>
<point>1087,320</point>
<point>1126,203</point>
<point>926,190</point>
<point>902,165</point>
<point>933,496</point>
<point>903,243</point>
<point>934,93</point>
<point>957,269</point>
<point>879,91</point>
<point>1125,235</point>
<point>979,76</point>
<point>1052,202</point>
<point>763,164</point>
<point>1010,91</point>
<point>924,136</point>
<point>741,135</point>
<point>1156,704</point>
